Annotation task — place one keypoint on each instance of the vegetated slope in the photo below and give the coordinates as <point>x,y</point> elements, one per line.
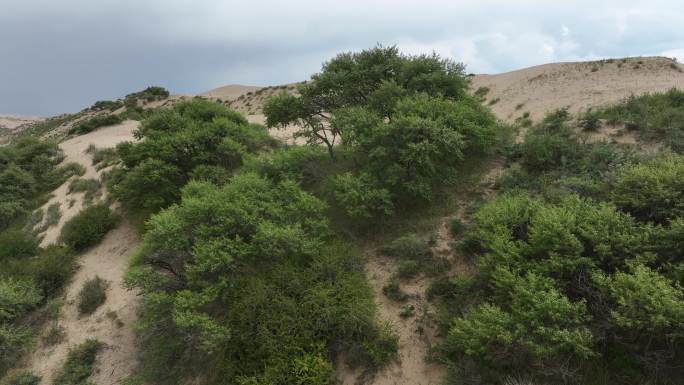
<point>11,124</point>
<point>112,323</point>
<point>578,86</point>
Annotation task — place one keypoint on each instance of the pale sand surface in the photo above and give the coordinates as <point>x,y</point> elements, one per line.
<point>578,86</point>
<point>112,323</point>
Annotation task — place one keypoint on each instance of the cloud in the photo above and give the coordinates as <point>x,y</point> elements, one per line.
<point>62,56</point>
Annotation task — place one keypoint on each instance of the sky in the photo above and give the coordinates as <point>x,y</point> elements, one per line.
<point>61,56</point>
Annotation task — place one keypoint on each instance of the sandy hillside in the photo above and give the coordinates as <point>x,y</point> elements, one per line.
<point>229,92</point>
<point>112,323</point>
<point>578,86</point>
<point>9,125</point>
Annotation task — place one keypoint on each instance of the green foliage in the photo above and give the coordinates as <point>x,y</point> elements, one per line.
<point>89,187</point>
<point>17,298</point>
<point>28,169</point>
<point>376,78</point>
<point>94,123</point>
<point>110,105</point>
<point>177,141</point>
<point>92,295</point>
<point>646,302</point>
<point>653,190</point>
<point>79,364</point>
<point>241,283</point>
<point>393,291</point>
<point>20,378</point>
<point>359,196</point>
<point>17,244</point>
<point>14,342</point>
<point>88,227</point>
<point>590,121</point>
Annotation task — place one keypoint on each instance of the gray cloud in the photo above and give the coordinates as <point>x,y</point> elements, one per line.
<point>62,56</point>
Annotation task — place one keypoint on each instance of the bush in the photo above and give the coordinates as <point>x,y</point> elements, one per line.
<point>17,297</point>
<point>393,291</point>
<point>88,227</point>
<point>360,198</point>
<point>408,247</point>
<point>408,268</point>
<point>590,121</point>
<point>92,295</point>
<point>17,244</point>
<point>20,378</point>
<point>79,364</point>
<point>52,268</point>
<point>94,123</point>
<point>652,191</point>
<point>455,227</point>
<point>90,187</point>
<point>153,170</point>
<point>15,341</point>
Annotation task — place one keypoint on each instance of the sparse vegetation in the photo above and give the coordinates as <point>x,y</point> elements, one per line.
<point>91,188</point>
<point>655,117</point>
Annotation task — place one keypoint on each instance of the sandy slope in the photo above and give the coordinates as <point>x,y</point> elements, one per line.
<point>113,322</point>
<point>578,86</point>
<point>230,92</point>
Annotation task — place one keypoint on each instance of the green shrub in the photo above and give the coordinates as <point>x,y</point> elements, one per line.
<point>360,198</point>
<point>20,378</point>
<point>455,227</point>
<point>590,121</point>
<point>88,227</point>
<point>52,268</point>
<point>110,105</point>
<point>53,214</point>
<point>15,341</point>
<point>92,295</point>
<point>409,247</point>
<point>17,297</point>
<point>393,291</point>
<point>94,123</point>
<point>17,244</point>
<point>652,191</point>
<point>153,170</point>
<point>79,364</point>
<point>54,335</point>
<point>408,268</point>
<point>90,187</point>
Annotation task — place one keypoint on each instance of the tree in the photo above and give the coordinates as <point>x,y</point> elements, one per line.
<point>374,78</point>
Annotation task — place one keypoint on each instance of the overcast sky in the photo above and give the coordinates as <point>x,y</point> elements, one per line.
<point>62,55</point>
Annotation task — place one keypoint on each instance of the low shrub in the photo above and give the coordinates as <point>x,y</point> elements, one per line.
<point>408,268</point>
<point>20,378</point>
<point>17,244</point>
<point>90,187</point>
<point>93,123</point>
<point>88,227</point>
<point>92,295</point>
<point>393,291</point>
<point>79,364</point>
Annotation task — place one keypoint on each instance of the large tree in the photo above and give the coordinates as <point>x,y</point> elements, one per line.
<point>375,78</point>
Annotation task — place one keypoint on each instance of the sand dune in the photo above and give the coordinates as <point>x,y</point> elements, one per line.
<point>229,92</point>
<point>578,86</point>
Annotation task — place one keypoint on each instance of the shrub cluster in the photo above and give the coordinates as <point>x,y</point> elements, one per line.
<point>655,117</point>
<point>88,227</point>
<point>94,123</point>
<point>28,169</point>
<point>192,134</point>
<point>241,286</point>
<point>406,127</point>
